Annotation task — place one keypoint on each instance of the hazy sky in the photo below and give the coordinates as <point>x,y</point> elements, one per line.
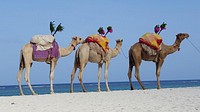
<point>130,19</point>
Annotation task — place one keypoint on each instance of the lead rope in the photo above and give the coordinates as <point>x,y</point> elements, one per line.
<point>126,57</point>
<point>194,46</point>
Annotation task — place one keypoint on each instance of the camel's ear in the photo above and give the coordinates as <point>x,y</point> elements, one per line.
<point>119,40</point>
<point>75,38</point>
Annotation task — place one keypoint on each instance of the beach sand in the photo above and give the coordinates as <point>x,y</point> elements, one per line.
<point>152,100</point>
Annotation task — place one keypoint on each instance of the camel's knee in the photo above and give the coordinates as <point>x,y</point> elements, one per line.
<point>129,75</point>
<point>51,77</point>
<point>72,76</point>
<point>18,80</point>
<point>19,75</point>
<point>80,74</point>
<point>105,77</point>
<point>158,74</point>
<point>26,79</point>
<point>80,78</point>
<point>136,76</point>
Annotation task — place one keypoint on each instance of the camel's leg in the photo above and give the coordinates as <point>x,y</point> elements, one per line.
<point>80,75</point>
<point>130,76</point>
<point>19,76</point>
<point>99,76</point>
<point>27,77</point>
<point>158,68</point>
<point>137,75</point>
<point>106,74</point>
<point>19,80</point>
<point>51,76</point>
<point>72,78</point>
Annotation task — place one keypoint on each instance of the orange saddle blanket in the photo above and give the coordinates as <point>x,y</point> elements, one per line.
<point>100,40</point>
<point>152,40</point>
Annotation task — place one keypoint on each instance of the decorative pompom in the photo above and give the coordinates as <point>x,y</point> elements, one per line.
<point>109,29</point>
<point>163,26</point>
<point>101,31</point>
<point>52,27</point>
<point>156,28</point>
<point>59,28</point>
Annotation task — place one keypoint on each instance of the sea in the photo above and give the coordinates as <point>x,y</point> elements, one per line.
<point>13,90</point>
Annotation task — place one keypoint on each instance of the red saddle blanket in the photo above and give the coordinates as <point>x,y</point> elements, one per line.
<point>100,40</point>
<point>152,40</point>
<point>53,52</point>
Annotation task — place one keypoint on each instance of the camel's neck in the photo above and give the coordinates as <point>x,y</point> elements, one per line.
<point>173,48</point>
<point>115,51</point>
<point>68,50</point>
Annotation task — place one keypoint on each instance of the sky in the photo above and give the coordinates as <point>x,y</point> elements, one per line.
<point>130,19</point>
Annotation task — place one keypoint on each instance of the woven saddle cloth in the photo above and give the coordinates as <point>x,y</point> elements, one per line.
<point>151,43</point>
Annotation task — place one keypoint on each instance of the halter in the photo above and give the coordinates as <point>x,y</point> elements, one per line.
<point>73,46</point>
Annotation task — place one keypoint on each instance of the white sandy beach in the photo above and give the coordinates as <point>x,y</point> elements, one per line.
<point>164,100</point>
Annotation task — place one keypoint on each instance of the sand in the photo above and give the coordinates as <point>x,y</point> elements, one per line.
<point>152,100</point>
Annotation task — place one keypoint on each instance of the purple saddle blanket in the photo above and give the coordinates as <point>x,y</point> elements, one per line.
<point>53,52</point>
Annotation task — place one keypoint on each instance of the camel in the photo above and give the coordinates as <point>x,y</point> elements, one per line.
<point>26,58</point>
<point>137,54</point>
<point>84,55</point>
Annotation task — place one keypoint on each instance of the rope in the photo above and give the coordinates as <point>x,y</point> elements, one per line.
<point>194,46</point>
<point>126,57</point>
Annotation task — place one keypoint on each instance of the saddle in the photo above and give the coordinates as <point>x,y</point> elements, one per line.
<point>43,42</point>
<point>100,40</point>
<point>151,43</point>
<point>44,47</point>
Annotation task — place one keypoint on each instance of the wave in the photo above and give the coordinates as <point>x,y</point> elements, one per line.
<point>40,86</point>
<point>2,87</point>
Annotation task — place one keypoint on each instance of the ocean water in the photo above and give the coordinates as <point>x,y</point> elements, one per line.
<point>13,90</point>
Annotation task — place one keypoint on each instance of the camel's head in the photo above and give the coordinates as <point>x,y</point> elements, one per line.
<point>182,36</point>
<point>119,42</point>
<point>78,40</point>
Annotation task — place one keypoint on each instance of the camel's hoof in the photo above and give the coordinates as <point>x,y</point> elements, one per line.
<point>132,88</point>
<point>52,93</point>
<point>22,94</point>
<point>108,90</point>
<point>35,94</point>
<point>98,90</point>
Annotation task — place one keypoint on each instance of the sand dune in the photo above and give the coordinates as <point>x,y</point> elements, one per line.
<point>164,100</point>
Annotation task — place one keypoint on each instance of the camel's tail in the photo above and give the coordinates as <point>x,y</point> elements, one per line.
<point>131,59</point>
<point>77,58</point>
<point>21,65</point>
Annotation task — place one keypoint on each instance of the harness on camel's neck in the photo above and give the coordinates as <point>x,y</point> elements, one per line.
<point>73,46</point>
